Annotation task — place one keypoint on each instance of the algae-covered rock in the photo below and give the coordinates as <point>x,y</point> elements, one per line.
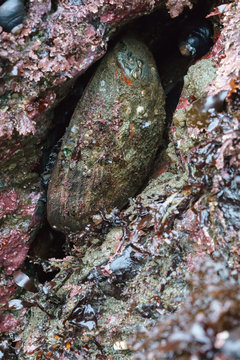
<point>112,138</point>
<point>198,77</point>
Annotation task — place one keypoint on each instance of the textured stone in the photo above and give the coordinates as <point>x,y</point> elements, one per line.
<point>198,77</point>
<point>112,138</point>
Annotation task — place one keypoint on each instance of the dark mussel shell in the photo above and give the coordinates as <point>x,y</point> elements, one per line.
<point>196,40</point>
<point>12,13</point>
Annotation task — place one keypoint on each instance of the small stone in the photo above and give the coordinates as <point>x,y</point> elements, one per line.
<point>140,110</point>
<point>17,29</point>
<point>97,219</point>
<point>120,345</point>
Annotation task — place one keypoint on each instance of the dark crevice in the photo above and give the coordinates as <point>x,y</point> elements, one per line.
<point>47,244</point>
<point>54,6</point>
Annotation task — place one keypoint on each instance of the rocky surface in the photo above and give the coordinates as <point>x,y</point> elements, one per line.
<point>207,325</point>
<point>206,140</point>
<point>52,48</point>
<point>111,141</point>
<point>38,66</point>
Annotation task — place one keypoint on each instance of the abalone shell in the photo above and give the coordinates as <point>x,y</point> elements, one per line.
<point>112,139</point>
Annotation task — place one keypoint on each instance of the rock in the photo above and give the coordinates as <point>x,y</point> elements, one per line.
<point>57,43</point>
<point>126,284</point>
<point>39,62</point>
<point>38,65</point>
<point>198,77</point>
<point>187,332</point>
<point>176,7</point>
<point>181,222</point>
<point>112,138</point>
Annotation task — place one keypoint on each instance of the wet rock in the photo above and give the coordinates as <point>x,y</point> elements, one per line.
<point>204,322</point>
<point>198,77</point>
<point>226,50</point>
<point>115,290</point>
<point>181,219</point>
<point>111,277</point>
<point>38,65</point>
<point>112,138</point>
<point>196,81</point>
<point>52,48</point>
<point>20,216</point>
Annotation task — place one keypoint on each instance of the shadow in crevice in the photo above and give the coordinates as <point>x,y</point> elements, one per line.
<point>47,244</point>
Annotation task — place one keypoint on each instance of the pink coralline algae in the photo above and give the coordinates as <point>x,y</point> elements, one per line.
<point>7,289</point>
<point>8,203</point>
<point>175,7</point>
<point>13,249</point>
<point>230,62</point>
<point>56,45</point>
<point>8,323</point>
<point>15,238</point>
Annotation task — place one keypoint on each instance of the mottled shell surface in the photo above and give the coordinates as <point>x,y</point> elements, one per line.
<point>111,140</point>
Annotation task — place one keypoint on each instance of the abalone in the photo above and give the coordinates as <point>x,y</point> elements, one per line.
<point>112,139</point>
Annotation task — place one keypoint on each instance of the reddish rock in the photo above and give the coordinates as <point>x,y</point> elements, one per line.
<point>19,218</point>
<point>60,50</point>
<point>8,202</point>
<point>176,7</point>
<point>7,289</point>
<point>50,49</point>
<point>8,323</point>
<point>206,141</point>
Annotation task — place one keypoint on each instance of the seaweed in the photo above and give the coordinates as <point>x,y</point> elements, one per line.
<point>205,324</point>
